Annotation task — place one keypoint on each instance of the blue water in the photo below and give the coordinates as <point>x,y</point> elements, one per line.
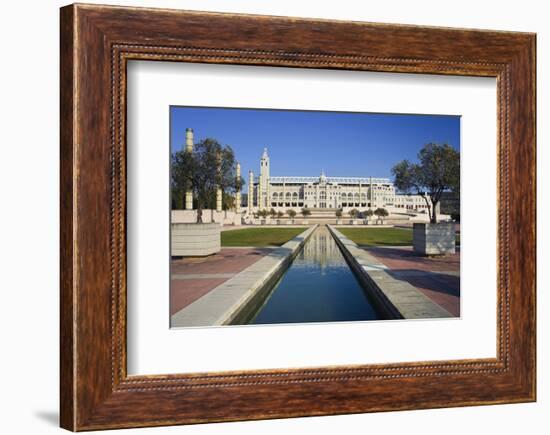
<point>319,286</point>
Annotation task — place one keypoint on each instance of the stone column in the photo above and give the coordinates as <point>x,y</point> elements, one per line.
<point>250,191</point>
<point>189,149</point>
<point>370,193</point>
<point>238,193</point>
<point>268,195</point>
<point>259,194</point>
<point>219,190</point>
<point>218,199</point>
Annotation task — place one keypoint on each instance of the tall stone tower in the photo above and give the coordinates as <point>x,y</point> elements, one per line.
<point>189,148</point>
<point>263,185</point>
<point>264,167</point>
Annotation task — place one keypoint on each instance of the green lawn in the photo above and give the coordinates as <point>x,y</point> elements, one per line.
<point>259,236</point>
<point>378,236</point>
<point>382,236</point>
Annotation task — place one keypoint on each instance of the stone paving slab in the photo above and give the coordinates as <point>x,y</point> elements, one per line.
<point>184,293</point>
<point>399,298</point>
<point>192,278</point>
<point>436,277</point>
<point>201,275</point>
<point>228,260</point>
<point>221,305</point>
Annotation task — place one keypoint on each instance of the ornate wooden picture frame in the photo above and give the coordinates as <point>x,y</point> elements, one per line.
<point>96,44</point>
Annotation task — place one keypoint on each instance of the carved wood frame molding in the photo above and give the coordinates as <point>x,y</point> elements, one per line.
<point>96,44</point>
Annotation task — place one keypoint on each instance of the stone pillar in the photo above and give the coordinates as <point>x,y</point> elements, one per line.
<point>238,193</point>
<point>317,196</point>
<point>268,195</point>
<point>370,193</point>
<point>259,194</point>
<point>250,191</point>
<point>189,149</point>
<point>218,199</point>
<point>219,190</point>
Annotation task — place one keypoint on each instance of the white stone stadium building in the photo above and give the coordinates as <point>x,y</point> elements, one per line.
<point>324,193</point>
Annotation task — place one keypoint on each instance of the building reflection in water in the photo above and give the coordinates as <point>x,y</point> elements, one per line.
<point>321,251</point>
<point>319,286</point>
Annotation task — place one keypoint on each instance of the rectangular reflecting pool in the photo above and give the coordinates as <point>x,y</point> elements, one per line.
<point>319,286</point>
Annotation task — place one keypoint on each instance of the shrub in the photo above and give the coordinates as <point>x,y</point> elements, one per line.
<point>353,213</point>
<point>381,212</point>
<point>305,212</point>
<point>263,213</point>
<point>338,213</point>
<point>291,213</point>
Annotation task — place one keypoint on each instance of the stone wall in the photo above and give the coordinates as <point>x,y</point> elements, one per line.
<point>434,239</point>
<point>227,217</point>
<point>195,240</point>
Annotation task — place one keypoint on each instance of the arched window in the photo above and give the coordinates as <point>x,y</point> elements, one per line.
<point>288,196</point>
<point>275,196</point>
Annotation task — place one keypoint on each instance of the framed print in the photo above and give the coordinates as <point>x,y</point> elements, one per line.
<point>308,217</point>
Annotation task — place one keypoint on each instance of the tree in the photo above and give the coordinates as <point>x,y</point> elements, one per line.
<point>280,214</point>
<point>438,171</point>
<point>338,213</point>
<point>272,213</point>
<point>353,213</point>
<point>369,212</point>
<point>210,166</point>
<point>305,212</point>
<point>381,212</point>
<point>263,213</point>
<point>291,213</point>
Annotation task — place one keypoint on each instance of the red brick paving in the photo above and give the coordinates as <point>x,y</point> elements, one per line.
<point>403,257</point>
<point>228,260</point>
<point>185,291</point>
<point>443,289</point>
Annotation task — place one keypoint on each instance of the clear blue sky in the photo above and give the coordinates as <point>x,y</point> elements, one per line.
<point>302,143</point>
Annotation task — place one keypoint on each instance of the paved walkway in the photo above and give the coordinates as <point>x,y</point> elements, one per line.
<point>437,277</point>
<point>229,301</point>
<point>192,278</point>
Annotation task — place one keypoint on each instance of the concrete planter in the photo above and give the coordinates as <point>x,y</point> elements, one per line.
<point>304,222</point>
<point>434,239</point>
<point>195,240</point>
